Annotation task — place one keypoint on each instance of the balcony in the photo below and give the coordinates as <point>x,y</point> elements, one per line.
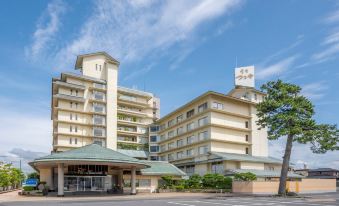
<point>98,120</point>
<point>69,97</point>
<point>98,96</point>
<point>98,109</point>
<point>99,86</point>
<point>98,132</point>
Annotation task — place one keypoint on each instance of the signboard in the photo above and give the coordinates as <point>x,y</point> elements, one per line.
<point>31,182</point>
<point>244,76</point>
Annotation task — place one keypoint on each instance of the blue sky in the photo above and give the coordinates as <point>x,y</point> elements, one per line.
<point>175,49</point>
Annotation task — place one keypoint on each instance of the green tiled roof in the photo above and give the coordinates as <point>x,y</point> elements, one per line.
<point>134,153</point>
<point>263,173</point>
<point>247,158</point>
<point>161,168</point>
<point>91,153</point>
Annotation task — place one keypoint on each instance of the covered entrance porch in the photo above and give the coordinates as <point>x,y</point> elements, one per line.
<point>91,168</point>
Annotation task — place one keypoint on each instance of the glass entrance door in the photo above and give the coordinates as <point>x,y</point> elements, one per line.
<point>85,184</point>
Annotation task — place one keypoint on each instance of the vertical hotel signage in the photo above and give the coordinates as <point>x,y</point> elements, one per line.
<point>244,76</point>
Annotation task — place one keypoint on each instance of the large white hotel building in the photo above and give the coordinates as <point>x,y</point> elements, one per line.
<point>212,133</point>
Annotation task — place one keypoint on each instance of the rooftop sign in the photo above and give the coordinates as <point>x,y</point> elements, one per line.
<point>244,76</point>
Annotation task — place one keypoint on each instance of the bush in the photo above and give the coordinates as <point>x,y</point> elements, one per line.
<point>167,181</point>
<point>216,181</point>
<point>28,188</point>
<point>194,182</point>
<point>246,176</point>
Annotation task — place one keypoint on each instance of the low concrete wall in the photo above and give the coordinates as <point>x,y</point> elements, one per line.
<point>303,186</point>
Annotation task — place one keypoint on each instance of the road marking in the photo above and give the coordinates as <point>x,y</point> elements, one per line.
<point>177,203</point>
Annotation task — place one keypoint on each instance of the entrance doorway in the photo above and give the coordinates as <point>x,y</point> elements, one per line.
<point>84,183</point>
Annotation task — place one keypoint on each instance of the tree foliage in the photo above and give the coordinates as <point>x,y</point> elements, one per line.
<point>245,176</point>
<point>216,181</point>
<point>286,112</point>
<point>10,176</point>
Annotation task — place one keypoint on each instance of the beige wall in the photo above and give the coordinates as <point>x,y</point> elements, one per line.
<point>228,147</point>
<point>111,106</point>
<point>304,186</point>
<point>252,165</point>
<point>46,176</point>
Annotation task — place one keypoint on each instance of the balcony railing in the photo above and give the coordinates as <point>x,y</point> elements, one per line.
<point>98,132</point>
<point>99,86</point>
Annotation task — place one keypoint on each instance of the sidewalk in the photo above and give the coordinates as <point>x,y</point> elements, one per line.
<point>14,197</point>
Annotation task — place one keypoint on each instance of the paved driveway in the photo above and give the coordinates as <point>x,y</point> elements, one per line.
<point>176,199</point>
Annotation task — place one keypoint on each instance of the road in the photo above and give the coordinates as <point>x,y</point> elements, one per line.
<point>178,200</point>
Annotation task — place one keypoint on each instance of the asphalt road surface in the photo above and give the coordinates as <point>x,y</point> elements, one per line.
<point>314,200</point>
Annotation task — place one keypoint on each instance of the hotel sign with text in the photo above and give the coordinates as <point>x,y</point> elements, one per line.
<point>244,76</point>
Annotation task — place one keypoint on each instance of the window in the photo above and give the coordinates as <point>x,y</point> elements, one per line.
<point>171,123</point>
<point>190,169</point>
<point>217,105</point>
<point>76,116</point>
<point>202,107</point>
<point>255,97</point>
<point>71,104</point>
<point>76,141</point>
<point>171,145</point>
<point>170,134</point>
<point>99,108</point>
<point>99,95</point>
<point>190,152</point>
<point>96,67</point>
<point>203,136</point>
<point>190,126</point>
<point>99,132</point>
<point>180,155</point>
<point>162,137</point>
<point>180,118</point>
<point>190,139</point>
<point>180,143</point>
<point>170,157</point>
<point>154,158</point>
<point>217,167</point>
<point>70,116</point>
<point>154,148</point>
<point>71,91</point>
<point>153,138</point>
<point>190,113</point>
<point>98,142</point>
<point>246,124</point>
<point>162,127</point>
<point>154,128</point>
<point>99,120</point>
<point>203,149</point>
<point>163,158</point>
<point>76,92</point>
<point>180,130</point>
<point>76,129</point>
<point>100,67</point>
<point>202,121</point>
<point>76,105</point>
<point>247,138</point>
<point>246,150</point>
<point>162,148</point>
<point>70,140</point>
<point>70,128</point>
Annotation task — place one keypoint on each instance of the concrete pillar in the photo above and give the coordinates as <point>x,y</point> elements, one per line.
<point>120,177</point>
<point>133,181</point>
<point>60,180</point>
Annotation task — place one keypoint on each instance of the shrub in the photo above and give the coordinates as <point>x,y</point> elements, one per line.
<point>28,188</point>
<point>194,182</point>
<point>216,181</point>
<point>246,176</point>
<point>168,181</point>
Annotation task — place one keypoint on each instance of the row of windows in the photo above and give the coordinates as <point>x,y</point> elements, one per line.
<point>73,140</point>
<point>190,113</point>
<point>189,127</point>
<point>187,153</point>
<point>189,140</point>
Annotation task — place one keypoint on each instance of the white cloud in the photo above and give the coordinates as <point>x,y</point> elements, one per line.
<point>139,72</point>
<point>26,124</point>
<point>131,30</point>
<point>47,28</point>
<point>302,154</point>
<point>315,90</point>
<point>268,71</point>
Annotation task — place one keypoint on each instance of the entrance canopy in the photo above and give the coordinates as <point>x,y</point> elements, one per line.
<point>89,154</point>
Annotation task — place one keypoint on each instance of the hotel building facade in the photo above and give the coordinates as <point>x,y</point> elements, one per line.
<point>107,136</point>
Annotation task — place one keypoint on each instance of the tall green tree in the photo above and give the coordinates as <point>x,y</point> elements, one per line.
<point>287,113</point>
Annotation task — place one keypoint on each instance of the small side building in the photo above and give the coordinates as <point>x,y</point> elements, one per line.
<point>98,169</point>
